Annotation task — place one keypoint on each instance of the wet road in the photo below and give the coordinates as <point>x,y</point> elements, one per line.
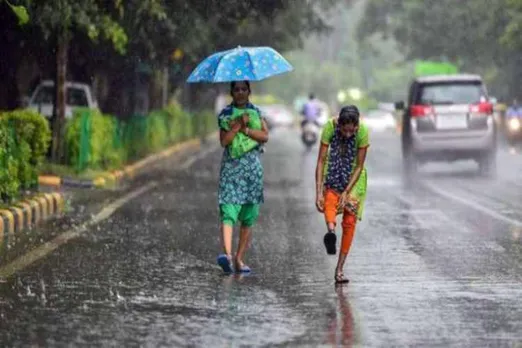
<point>437,262</point>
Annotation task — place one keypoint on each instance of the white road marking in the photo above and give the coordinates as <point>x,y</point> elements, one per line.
<point>473,205</point>
<point>47,248</point>
<point>190,161</point>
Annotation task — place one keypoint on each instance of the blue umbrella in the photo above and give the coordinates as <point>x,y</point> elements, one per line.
<point>239,64</point>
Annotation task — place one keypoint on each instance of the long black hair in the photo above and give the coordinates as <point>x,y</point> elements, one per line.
<point>349,114</point>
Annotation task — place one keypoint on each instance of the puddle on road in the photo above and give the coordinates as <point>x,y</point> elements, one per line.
<point>189,305</point>
<point>231,313</point>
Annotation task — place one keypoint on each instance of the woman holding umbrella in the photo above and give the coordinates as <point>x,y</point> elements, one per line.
<point>241,176</point>
<point>241,179</point>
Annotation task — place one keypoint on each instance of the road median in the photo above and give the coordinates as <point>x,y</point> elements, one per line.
<point>112,178</point>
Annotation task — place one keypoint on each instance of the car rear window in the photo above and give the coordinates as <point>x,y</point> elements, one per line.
<point>76,97</point>
<point>45,96</point>
<point>451,93</point>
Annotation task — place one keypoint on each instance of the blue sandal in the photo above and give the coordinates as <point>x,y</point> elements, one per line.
<point>243,269</point>
<point>224,262</point>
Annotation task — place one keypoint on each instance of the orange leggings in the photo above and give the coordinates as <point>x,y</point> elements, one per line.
<point>331,201</point>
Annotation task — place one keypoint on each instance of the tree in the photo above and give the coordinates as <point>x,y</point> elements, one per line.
<point>481,36</point>
<point>149,31</point>
<point>20,12</point>
<point>57,20</point>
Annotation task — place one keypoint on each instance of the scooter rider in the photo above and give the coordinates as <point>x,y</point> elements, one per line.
<point>513,123</point>
<point>311,110</point>
<point>515,110</point>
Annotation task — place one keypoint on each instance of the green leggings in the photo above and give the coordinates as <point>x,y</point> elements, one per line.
<point>246,214</point>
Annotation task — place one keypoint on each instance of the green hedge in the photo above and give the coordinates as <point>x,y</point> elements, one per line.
<point>206,123</point>
<point>96,141</point>
<point>92,141</point>
<point>24,140</point>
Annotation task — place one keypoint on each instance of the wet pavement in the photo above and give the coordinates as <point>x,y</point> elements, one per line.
<point>435,262</point>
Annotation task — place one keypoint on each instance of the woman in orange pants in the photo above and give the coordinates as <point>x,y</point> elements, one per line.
<point>341,180</point>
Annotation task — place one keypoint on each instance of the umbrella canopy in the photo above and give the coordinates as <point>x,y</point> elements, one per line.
<point>239,64</point>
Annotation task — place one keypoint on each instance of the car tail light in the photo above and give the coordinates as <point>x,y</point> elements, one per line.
<point>421,110</point>
<point>481,108</point>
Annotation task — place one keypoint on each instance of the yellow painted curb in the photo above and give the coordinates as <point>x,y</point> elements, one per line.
<point>164,153</point>
<point>118,174</point>
<point>60,202</point>
<point>43,206</point>
<point>99,182</point>
<point>10,220</point>
<point>51,206</point>
<point>111,177</point>
<point>26,208</point>
<point>18,218</point>
<point>35,211</point>
<point>49,180</point>
<point>129,170</point>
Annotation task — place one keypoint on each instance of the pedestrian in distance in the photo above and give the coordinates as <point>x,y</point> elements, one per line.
<point>341,180</point>
<point>243,131</point>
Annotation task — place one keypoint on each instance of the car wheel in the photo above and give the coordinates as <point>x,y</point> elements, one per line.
<point>409,164</point>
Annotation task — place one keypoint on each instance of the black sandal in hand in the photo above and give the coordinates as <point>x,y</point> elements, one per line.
<point>330,239</point>
<point>340,279</point>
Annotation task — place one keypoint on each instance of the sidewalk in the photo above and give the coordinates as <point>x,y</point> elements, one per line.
<point>116,176</point>
<point>60,195</point>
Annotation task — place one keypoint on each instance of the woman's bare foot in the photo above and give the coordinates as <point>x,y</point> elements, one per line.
<point>340,279</point>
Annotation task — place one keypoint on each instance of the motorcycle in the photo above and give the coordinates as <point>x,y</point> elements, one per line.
<point>309,133</point>
<point>513,127</point>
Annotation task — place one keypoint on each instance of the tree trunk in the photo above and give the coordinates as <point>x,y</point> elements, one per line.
<point>58,141</point>
<point>165,94</point>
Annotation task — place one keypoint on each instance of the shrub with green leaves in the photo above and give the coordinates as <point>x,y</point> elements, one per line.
<point>176,115</point>
<point>91,141</point>
<point>205,123</point>
<point>24,141</point>
<point>133,133</point>
<point>157,132</point>
<point>108,142</point>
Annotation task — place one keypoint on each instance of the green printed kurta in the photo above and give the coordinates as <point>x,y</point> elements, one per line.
<point>240,179</point>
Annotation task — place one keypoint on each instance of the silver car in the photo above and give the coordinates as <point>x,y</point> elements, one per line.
<point>448,118</point>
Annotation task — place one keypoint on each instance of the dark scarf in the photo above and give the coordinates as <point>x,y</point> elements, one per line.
<point>341,158</point>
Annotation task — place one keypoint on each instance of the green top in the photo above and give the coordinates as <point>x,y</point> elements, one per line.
<point>358,192</point>
<point>361,138</point>
<point>242,143</point>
